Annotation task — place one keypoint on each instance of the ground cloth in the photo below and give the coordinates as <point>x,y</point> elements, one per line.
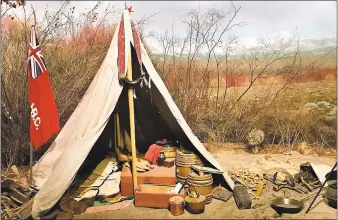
<point>103,181</point>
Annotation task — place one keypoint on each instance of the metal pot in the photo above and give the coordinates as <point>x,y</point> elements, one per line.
<point>176,205</point>
<point>333,176</point>
<point>331,193</point>
<point>284,205</point>
<point>195,202</point>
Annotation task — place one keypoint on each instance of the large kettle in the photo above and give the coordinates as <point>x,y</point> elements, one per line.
<point>195,202</point>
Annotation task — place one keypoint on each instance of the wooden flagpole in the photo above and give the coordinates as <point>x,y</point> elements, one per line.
<point>132,122</point>
<point>31,164</point>
<point>30,143</point>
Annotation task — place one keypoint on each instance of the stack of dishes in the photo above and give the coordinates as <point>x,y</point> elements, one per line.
<point>201,183</point>
<point>184,161</point>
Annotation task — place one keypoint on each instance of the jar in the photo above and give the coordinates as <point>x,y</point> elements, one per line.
<point>161,159</point>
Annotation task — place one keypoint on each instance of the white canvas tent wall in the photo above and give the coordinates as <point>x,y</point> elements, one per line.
<point>55,171</point>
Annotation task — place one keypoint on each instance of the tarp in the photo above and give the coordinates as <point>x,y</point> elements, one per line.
<point>57,168</point>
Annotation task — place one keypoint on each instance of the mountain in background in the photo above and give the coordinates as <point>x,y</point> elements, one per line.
<point>307,44</point>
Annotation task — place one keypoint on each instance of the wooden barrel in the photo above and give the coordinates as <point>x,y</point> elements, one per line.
<point>169,152</point>
<point>184,161</point>
<point>202,183</point>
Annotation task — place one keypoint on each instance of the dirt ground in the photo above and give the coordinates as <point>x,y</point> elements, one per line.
<point>234,160</point>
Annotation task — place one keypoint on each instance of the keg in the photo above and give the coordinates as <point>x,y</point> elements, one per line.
<point>202,183</point>
<point>169,152</point>
<point>184,161</point>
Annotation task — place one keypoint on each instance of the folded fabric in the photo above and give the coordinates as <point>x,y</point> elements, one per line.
<point>153,152</point>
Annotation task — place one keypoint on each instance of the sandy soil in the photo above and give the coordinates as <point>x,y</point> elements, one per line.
<point>234,160</point>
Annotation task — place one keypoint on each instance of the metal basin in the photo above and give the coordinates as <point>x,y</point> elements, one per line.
<point>285,205</point>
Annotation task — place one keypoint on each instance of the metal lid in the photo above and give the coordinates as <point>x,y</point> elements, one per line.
<point>176,200</point>
<point>194,197</point>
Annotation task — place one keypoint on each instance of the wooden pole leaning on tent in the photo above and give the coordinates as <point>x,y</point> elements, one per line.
<point>132,122</point>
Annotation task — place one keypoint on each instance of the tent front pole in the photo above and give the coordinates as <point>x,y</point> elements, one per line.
<point>132,123</point>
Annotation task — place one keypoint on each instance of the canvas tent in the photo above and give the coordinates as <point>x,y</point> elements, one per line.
<point>88,131</point>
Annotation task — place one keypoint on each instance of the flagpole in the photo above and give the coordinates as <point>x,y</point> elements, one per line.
<point>132,122</point>
<point>31,164</point>
<point>31,152</point>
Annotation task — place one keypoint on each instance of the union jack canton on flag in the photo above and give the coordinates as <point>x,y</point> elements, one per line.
<point>36,62</point>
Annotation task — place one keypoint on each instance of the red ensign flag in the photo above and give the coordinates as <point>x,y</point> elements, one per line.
<point>44,120</point>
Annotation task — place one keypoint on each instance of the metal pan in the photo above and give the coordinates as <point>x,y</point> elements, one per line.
<point>284,205</point>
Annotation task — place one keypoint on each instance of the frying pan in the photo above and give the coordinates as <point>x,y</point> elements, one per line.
<point>285,205</point>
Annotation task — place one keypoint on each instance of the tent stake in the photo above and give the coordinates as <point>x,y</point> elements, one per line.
<point>132,123</point>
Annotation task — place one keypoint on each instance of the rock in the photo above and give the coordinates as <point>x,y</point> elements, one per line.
<point>304,149</point>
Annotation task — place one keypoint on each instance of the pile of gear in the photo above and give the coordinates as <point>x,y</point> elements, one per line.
<point>13,196</point>
<point>303,182</point>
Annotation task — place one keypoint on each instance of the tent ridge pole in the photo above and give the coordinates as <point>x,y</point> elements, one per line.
<point>132,122</point>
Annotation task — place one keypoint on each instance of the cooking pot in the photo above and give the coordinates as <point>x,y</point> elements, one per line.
<point>331,190</point>
<point>333,176</point>
<point>195,202</point>
<point>285,205</point>
<point>176,204</point>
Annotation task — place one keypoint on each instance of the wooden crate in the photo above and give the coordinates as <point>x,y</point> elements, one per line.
<point>154,196</point>
<point>158,176</point>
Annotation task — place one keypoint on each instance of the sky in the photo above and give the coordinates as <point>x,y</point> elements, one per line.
<point>262,18</point>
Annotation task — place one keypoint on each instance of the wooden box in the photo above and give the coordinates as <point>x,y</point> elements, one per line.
<point>158,176</point>
<point>154,196</point>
